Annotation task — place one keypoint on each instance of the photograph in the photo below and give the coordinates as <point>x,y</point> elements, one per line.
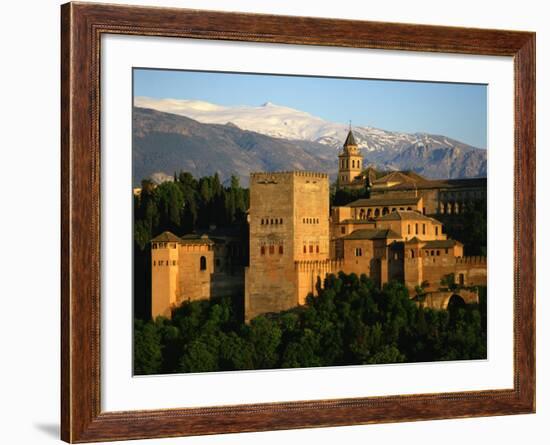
<point>285,221</point>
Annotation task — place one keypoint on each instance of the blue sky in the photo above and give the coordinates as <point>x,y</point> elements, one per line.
<point>458,111</point>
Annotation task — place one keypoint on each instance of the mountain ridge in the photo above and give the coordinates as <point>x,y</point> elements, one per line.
<point>177,142</point>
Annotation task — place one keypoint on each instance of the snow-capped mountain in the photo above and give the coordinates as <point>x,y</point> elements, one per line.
<point>287,123</point>
<point>433,155</point>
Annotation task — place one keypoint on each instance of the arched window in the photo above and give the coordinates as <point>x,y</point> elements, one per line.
<point>416,228</point>
<point>271,249</point>
<point>262,250</point>
<point>412,253</point>
<point>280,220</point>
<point>281,249</point>
<point>432,253</point>
<point>262,222</point>
<point>203,263</point>
<point>377,213</point>
<point>305,249</point>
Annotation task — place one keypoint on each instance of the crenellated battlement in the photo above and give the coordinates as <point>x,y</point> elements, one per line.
<point>471,260</point>
<point>327,265</point>
<point>261,175</point>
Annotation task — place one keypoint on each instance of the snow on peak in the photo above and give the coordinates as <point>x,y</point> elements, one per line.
<point>288,123</point>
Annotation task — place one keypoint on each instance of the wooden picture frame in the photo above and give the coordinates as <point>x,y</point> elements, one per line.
<point>82,26</point>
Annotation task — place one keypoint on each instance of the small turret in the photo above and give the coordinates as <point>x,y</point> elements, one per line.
<point>350,163</point>
<point>164,283</point>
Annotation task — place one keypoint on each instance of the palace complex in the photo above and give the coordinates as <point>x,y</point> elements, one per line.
<point>295,239</point>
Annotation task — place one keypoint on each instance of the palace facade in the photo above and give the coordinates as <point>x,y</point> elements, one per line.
<point>296,239</point>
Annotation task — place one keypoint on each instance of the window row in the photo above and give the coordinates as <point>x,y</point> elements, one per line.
<point>376,212</point>
<point>202,263</point>
<point>271,249</point>
<point>428,252</point>
<point>344,163</point>
<point>165,263</point>
<point>310,220</point>
<point>311,248</point>
<point>266,221</point>
<point>163,245</point>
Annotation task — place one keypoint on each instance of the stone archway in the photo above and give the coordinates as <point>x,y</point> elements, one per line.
<point>455,301</point>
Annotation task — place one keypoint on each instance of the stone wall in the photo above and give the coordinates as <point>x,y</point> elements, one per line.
<point>194,281</point>
<point>308,273</point>
<point>467,271</point>
<point>289,222</point>
<point>164,279</point>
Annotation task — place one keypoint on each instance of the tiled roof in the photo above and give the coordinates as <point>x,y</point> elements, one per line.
<point>389,201</point>
<point>194,238</point>
<point>166,237</point>
<point>350,140</point>
<point>441,244</point>
<point>370,234</point>
<point>356,221</point>
<point>400,215</point>
<point>412,181</point>
<point>434,244</point>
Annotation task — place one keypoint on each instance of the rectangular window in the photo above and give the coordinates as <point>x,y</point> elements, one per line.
<point>423,229</point>
<point>436,230</point>
<point>416,228</point>
<point>305,249</point>
<point>310,249</point>
<point>342,229</point>
<point>262,250</point>
<point>280,250</point>
<point>317,249</point>
<point>408,229</point>
<point>271,250</point>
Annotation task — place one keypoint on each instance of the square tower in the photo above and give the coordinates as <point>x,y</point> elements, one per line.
<point>350,163</point>
<point>289,222</point>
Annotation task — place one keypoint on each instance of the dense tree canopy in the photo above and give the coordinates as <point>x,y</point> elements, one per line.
<point>350,322</point>
<point>181,206</point>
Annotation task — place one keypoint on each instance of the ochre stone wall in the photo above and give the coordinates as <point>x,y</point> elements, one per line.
<point>309,273</point>
<point>468,271</point>
<point>289,222</point>
<point>195,283</point>
<point>164,278</point>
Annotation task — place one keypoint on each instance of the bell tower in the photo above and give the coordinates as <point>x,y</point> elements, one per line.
<point>350,162</point>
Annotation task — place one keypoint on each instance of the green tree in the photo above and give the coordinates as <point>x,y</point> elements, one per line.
<point>147,348</point>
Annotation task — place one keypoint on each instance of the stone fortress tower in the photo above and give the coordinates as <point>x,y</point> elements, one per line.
<point>296,240</point>
<point>350,163</point>
<point>289,223</point>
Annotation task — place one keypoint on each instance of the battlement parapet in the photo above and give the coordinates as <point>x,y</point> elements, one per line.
<point>327,266</point>
<point>260,175</point>
<point>472,260</point>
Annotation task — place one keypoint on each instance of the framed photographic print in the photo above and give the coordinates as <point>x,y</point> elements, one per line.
<point>284,222</point>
